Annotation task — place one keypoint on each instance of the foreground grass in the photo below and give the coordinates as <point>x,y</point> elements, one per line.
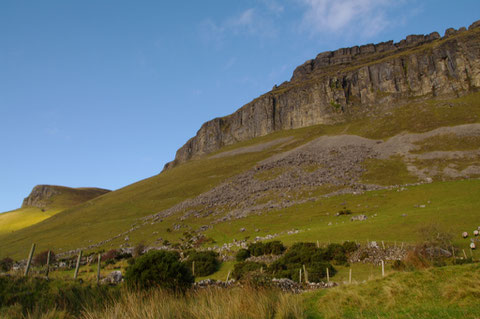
<point>446,292</point>
<point>209,304</point>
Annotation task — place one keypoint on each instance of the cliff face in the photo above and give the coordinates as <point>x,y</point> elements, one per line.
<point>350,82</point>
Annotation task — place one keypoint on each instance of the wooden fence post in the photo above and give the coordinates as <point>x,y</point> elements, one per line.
<point>328,275</point>
<point>193,267</point>
<point>305,274</point>
<point>383,245</point>
<point>48,264</point>
<point>98,268</point>
<point>350,276</point>
<point>300,276</point>
<point>78,265</point>
<point>383,268</point>
<point>318,244</point>
<point>464,254</point>
<point>228,275</point>
<point>29,262</point>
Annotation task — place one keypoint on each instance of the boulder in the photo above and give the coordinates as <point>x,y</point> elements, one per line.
<point>113,278</point>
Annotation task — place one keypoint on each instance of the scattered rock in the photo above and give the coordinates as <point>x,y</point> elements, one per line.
<point>113,278</point>
<point>359,218</point>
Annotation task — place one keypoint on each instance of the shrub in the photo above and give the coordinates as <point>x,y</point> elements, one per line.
<point>349,247</point>
<point>256,249</point>
<point>30,297</point>
<point>315,260</point>
<point>243,268</point>
<point>41,258</point>
<point>274,247</point>
<point>336,252</point>
<point>6,264</point>
<point>317,271</point>
<point>206,262</point>
<point>159,269</point>
<point>242,254</point>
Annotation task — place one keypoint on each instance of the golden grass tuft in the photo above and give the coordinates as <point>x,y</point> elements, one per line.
<point>210,303</point>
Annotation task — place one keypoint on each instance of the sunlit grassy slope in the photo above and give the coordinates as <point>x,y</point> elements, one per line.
<point>116,212</point>
<point>23,217</point>
<point>27,216</point>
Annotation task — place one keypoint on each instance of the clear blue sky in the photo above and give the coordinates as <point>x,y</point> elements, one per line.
<point>102,93</point>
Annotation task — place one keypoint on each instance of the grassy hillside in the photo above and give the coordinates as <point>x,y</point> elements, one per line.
<point>65,198</point>
<point>118,211</point>
<point>447,292</point>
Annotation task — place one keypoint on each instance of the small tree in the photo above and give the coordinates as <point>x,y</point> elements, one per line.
<point>6,264</point>
<point>159,269</point>
<point>41,258</point>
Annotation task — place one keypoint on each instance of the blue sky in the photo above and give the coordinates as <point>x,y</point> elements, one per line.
<point>102,93</point>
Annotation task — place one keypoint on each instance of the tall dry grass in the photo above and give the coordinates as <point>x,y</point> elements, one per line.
<point>213,303</point>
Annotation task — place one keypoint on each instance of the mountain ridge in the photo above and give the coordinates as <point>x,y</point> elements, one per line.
<point>341,84</point>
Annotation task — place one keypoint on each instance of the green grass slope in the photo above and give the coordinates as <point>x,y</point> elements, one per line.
<point>27,216</point>
<point>118,211</point>
<point>446,292</point>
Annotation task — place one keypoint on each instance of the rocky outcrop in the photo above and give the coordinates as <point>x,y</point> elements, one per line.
<point>351,82</point>
<point>42,195</point>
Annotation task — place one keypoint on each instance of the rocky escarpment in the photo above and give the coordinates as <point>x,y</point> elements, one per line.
<point>43,196</point>
<point>351,82</point>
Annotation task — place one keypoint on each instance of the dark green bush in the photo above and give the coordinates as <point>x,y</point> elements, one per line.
<point>274,248</point>
<point>38,295</point>
<point>240,270</point>
<point>206,262</point>
<point>159,269</point>
<point>6,264</point>
<point>349,247</point>
<point>256,249</point>
<point>315,260</point>
<point>242,254</point>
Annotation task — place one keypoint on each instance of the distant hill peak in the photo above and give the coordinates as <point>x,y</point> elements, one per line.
<point>42,196</point>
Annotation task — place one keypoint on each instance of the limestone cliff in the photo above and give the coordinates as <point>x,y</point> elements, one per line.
<point>350,82</point>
